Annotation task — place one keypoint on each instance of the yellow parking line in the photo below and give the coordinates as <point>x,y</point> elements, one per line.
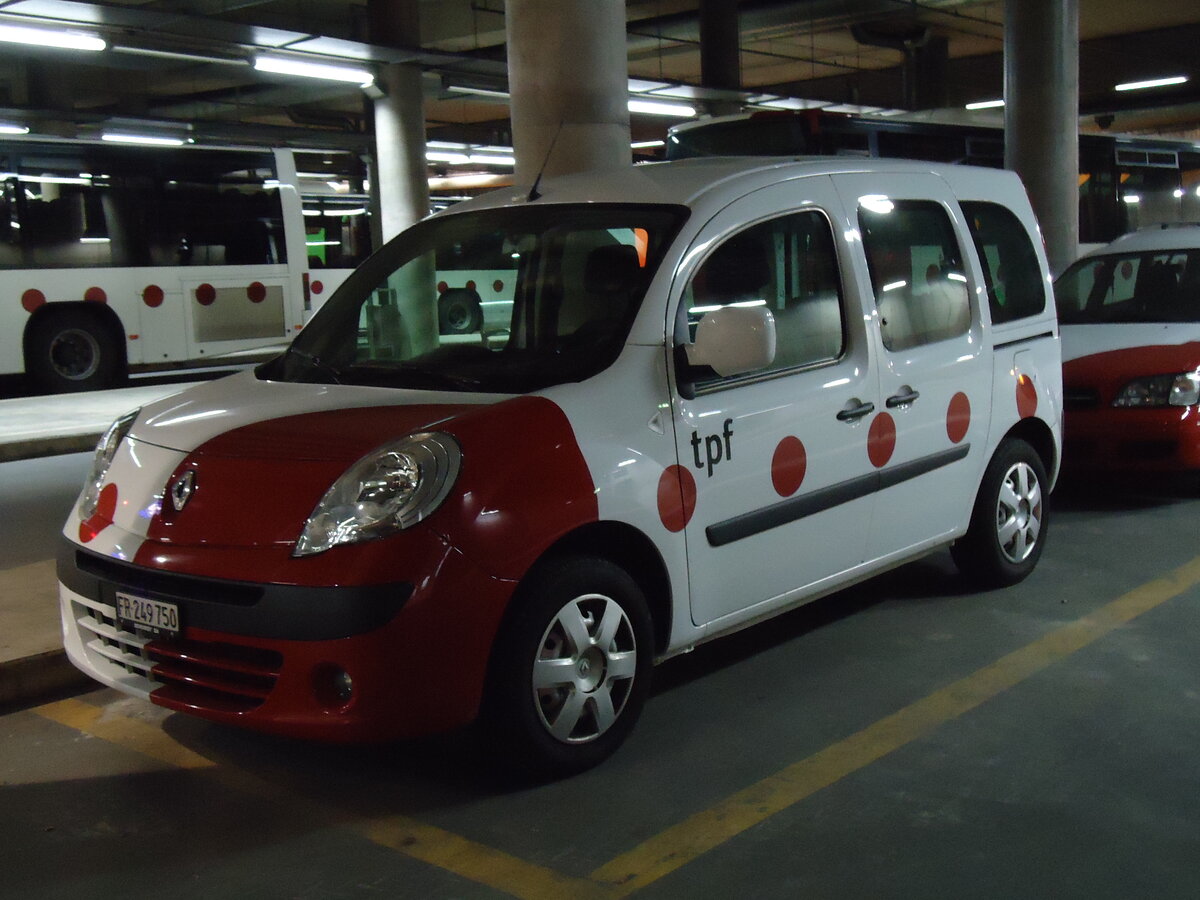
<point>706,830</point>
<point>148,740</point>
<point>480,863</point>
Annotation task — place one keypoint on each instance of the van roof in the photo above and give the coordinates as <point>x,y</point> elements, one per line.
<point>1166,236</point>
<point>685,181</point>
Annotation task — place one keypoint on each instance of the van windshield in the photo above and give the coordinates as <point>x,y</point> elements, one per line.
<point>563,284</point>
<point>1159,286</point>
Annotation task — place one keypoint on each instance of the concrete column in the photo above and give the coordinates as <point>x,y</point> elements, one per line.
<point>720,51</point>
<point>569,84</point>
<point>1041,115</point>
<point>402,184</point>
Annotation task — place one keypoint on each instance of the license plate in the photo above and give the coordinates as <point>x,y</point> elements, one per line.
<point>143,614</point>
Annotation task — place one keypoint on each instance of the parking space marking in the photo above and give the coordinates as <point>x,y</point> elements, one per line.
<point>148,740</point>
<point>708,829</point>
<point>704,831</point>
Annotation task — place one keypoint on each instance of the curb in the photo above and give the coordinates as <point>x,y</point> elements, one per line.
<point>35,448</point>
<point>24,681</point>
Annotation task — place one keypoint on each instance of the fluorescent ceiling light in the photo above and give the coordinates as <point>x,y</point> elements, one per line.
<point>1152,83</point>
<point>485,160</point>
<point>985,104</point>
<point>47,37</point>
<point>149,139</point>
<point>281,66</point>
<point>481,92</point>
<point>95,240</point>
<point>9,128</point>
<point>658,108</point>
<point>445,156</point>
<point>646,145</point>
<point>45,179</point>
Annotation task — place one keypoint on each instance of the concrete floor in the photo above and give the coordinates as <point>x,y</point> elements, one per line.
<point>902,739</point>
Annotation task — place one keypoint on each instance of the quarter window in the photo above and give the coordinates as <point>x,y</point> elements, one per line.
<point>916,272</point>
<point>788,265</point>
<point>1010,265</point>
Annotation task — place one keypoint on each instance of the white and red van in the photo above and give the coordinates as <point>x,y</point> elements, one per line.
<point>727,387</point>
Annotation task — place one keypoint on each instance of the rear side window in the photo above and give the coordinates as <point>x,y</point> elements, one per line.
<point>790,266</point>
<point>1010,265</point>
<point>916,271</point>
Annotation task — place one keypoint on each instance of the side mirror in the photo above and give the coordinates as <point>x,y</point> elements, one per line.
<point>734,340</point>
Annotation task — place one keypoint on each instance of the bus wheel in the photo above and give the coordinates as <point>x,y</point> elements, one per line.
<point>72,350</point>
<point>459,311</point>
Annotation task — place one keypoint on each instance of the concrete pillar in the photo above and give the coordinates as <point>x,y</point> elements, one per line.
<point>1041,115</point>
<point>402,183</point>
<point>407,319</point>
<point>569,86</point>
<point>720,44</point>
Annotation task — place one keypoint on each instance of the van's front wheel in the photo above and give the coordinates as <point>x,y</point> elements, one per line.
<point>1009,521</point>
<point>571,669</point>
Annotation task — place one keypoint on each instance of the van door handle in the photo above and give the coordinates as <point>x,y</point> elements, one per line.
<point>902,399</point>
<point>854,413</point>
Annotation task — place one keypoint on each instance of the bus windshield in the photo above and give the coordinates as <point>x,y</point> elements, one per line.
<point>1162,286</point>
<point>577,275</point>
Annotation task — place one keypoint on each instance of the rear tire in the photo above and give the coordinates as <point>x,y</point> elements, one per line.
<point>73,349</point>
<point>1010,520</point>
<point>571,668</point>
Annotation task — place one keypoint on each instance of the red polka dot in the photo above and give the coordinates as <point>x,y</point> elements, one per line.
<point>1027,399</point>
<point>788,466</point>
<point>442,287</point>
<point>318,287</point>
<point>106,508</point>
<point>470,285</point>
<point>881,440</point>
<point>257,292</point>
<point>958,417</point>
<point>497,285</point>
<point>95,295</point>
<point>32,299</point>
<point>676,497</point>
<point>152,296</point>
<point>206,294</point>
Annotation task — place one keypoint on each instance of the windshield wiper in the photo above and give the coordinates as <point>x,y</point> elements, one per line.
<point>433,376</point>
<point>317,363</point>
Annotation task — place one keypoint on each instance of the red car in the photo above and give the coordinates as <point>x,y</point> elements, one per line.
<point>1130,325</point>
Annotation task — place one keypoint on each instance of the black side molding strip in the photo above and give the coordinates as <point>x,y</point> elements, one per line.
<point>1024,340</point>
<point>751,523</point>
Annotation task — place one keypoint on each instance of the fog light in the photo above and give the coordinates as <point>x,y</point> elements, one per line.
<point>333,686</point>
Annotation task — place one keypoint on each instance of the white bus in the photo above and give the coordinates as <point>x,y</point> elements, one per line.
<point>118,258</point>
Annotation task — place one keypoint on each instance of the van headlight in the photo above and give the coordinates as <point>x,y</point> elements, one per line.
<point>391,488</point>
<point>105,451</point>
<point>1161,390</point>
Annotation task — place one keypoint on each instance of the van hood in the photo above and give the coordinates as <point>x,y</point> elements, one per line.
<point>1087,340</point>
<point>292,421</point>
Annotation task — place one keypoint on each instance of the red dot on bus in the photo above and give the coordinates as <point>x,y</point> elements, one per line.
<point>497,285</point>
<point>470,285</point>
<point>257,292</point>
<point>32,299</point>
<point>95,295</point>
<point>958,417</point>
<point>206,294</point>
<point>442,287</point>
<point>318,287</point>
<point>152,296</point>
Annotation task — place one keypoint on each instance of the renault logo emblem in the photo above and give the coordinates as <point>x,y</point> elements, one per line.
<point>181,490</point>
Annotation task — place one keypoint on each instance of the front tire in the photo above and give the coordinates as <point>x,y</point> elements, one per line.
<point>1009,521</point>
<point>571,669</point>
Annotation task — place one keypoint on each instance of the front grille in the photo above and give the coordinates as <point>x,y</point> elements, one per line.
<point>189,674</point>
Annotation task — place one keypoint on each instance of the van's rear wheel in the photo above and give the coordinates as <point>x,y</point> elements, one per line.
<point>460,311</point>
<point>1010,519</point>
<point>571,669</point>
<point>72,350</point>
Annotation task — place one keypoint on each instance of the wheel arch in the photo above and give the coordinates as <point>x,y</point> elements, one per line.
<point>633,551</point>
<point>1038,435</point>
